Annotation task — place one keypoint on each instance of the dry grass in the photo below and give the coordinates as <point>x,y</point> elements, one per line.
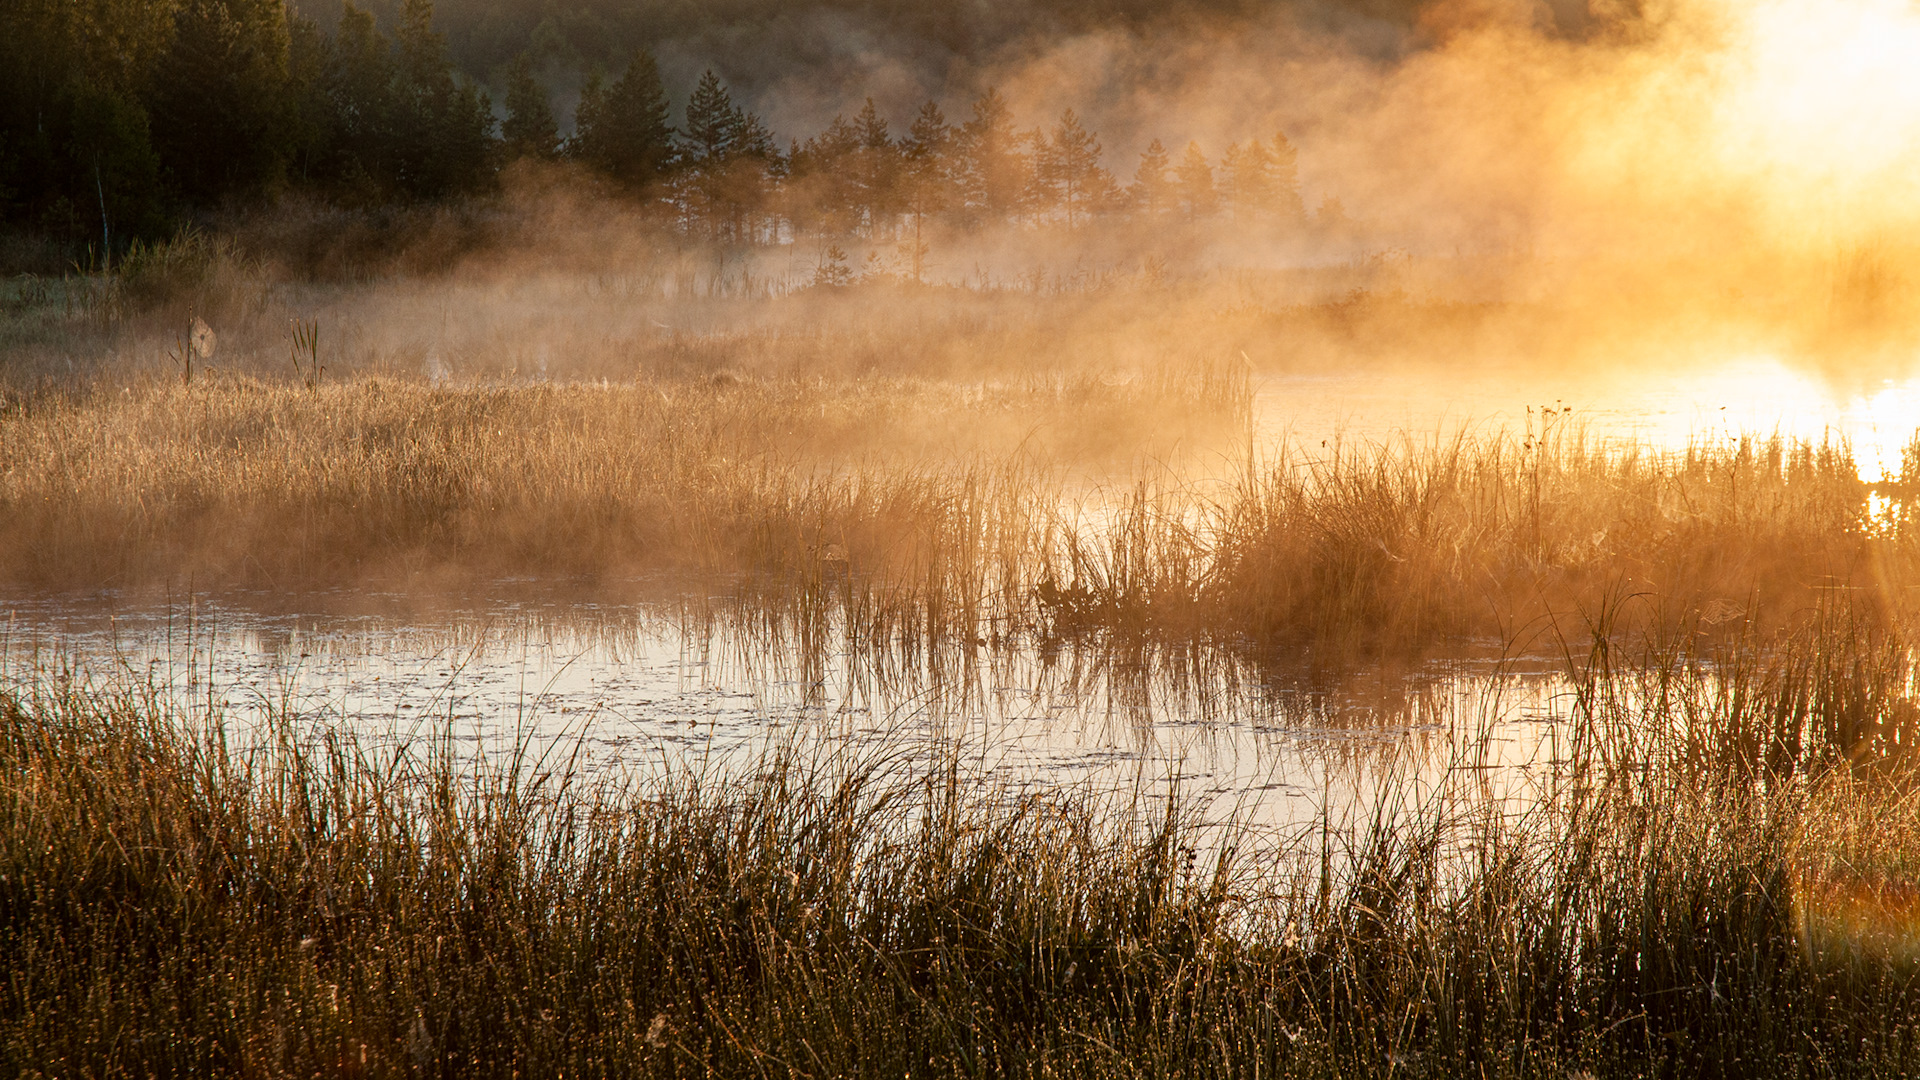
<point>171,904</point>
<point>961,507</point>
<point>235,477</point>
<point>1497,537</point>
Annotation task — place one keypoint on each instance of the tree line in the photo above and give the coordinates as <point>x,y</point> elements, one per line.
<point>120,115</point>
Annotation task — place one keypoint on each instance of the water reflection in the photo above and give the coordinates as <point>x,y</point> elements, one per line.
<point>634,688</point>
<point>1664,407</point>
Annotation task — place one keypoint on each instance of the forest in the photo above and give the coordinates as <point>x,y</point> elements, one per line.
<point>125,119</point>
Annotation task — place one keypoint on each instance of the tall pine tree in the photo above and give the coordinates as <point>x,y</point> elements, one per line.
<point>876,172</point>
<point>1286,179</point>
<point>994,170</point>
<point>1072,159</point>
<point>622,130</point>
<point>1197,195</point>
<point>529,130</point>
<point>221,103</point>
<point>928,177</point>
<point>1152,191</point>
<point>730,161</point>
<point>76,152</point>
<point>444,126</point>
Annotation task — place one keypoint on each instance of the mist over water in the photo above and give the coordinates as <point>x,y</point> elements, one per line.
<point>1656,227</point>
<point>1693,402</point>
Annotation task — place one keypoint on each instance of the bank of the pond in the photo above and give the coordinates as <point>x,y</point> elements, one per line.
<point>1714,887</point>
<point>818,497</point>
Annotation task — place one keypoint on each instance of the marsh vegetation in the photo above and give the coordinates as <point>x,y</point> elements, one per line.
<point>964,598</point>
<point>1690,886</point>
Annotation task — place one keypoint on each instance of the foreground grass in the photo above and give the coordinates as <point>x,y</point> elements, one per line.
<point>1718,882</point>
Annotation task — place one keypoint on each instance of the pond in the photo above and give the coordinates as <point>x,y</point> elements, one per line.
<point>599,690</point>
<point>1281,741</point>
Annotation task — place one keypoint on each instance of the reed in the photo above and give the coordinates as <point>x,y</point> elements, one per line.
<point>985,511</point>
<point>185,899</point>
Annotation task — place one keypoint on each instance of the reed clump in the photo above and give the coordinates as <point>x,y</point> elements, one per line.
<point>986,510</point>
<point>1445,539</point>
<point>1494,536</point>
<point>186,899</point>
<point>266,481</point>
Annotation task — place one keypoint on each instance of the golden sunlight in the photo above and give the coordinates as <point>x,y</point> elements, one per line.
<point>1822,99</point>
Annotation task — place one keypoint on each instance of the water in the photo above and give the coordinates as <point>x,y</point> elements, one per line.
<point>615,689</point>
<point>1664,407</point>
<point>606,690</point>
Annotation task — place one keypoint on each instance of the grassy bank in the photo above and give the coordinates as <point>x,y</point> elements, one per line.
<point>965,510</point>
<point>1717,882</point>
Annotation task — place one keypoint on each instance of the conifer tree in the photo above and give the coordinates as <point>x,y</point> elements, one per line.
<point>220,98</point>
<point>1072,159</point>
<point>1152,186</point>
<point>717,130</point>
<point>1262,181</point>
<point>444,127</point>
<point>529,129</point>
<point>993,168</point>
<point>361,110</point>
<point>622,130</point>
<point>1286,178</point>
<point>311,123</point>
<point>731,158</point>
<point>110,167</point>
<point>1244,179</point>
<point>876,170</point>
<point>823,193</point>
<point>76,153</point>
<point>1195,176</point>
<point>927,177</point>
<point>930,138</point>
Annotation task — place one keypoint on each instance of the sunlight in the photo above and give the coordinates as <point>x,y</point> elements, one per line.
<point>1889,420</point>
<point>1823,93</point>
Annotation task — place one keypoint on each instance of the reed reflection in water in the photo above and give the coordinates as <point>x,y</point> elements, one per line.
<point>630,688</point>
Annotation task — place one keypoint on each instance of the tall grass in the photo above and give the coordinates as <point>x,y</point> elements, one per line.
<point>1679,900</point>
<point>1495,536</point>
<point>929,505</point>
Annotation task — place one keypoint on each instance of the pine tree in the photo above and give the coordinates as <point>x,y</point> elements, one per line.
<point>994,171</point>
<point>358,88</point>
<point>1262,181</point>
<point>310,118</point>
<point>928,177</point>
<point>220,102</point>
<point>1073,167</point>
<point>76,150</point>
<point>876,170</point>
<point>1244,174</point>
<point>822,193</point>
<point>622,130</point>
<point>1152,186</point>
<point>1196,182</point>
<point>731,159</point>
<point>111,166</point>
<point>930,138</point>
<point>529,129</point>
<point>445,127</point>
<point>713,124</point>
<point>1286,179</point>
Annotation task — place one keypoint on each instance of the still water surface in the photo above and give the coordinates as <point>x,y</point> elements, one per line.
<point>631,689</point>
<point>1875,413</point>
